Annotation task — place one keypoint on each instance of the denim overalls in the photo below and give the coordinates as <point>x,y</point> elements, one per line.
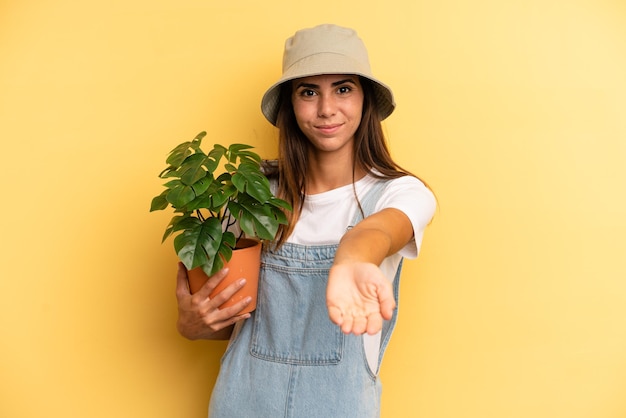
<point>289,360</point>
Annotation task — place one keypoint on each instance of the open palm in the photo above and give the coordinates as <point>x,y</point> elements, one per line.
<point>359,297</point>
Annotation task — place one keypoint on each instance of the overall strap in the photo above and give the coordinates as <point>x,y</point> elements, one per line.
<point>368,203</point>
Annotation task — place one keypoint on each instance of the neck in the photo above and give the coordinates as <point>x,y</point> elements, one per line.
<point>324,174</point>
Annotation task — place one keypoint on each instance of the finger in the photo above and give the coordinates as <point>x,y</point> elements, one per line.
<point>233,310</point>
<point>226,317</point>
<point>210,284</point>
<point>335,315</point>
<point>230,321</point>
<point>374,323</point>
<point>348,321</point>
<point>182,285</point>
<point>228,292</point>
<point>359,325</point>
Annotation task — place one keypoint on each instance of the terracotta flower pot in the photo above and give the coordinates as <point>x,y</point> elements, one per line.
<point>245,263</point>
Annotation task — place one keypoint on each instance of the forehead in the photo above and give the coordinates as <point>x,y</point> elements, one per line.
<point>326,79</point>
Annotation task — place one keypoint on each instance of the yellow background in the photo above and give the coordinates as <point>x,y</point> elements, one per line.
<point>514,112</point>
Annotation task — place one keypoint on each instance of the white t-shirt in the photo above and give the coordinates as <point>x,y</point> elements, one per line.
<point>326,216</point>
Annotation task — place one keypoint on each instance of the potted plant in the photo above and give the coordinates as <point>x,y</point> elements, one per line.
<point>212,193</point>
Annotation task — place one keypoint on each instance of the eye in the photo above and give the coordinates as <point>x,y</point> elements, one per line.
<point>344,89</point>
<point>307,93</point>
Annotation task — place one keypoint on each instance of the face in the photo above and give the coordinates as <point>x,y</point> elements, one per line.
<point>328,110</point>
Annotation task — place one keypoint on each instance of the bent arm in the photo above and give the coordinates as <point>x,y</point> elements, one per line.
<point>359,297</point>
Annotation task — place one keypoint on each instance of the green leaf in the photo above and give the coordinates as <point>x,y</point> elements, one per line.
<point>169,172</point>
<point>221,196</point>
<point>279,215</point>
<point>250,157</point>
<point>279,203</point>
<point>214,198</point>
<point>220,149</point>
<point>225,253</point>
<point>159,202</point>
<point>178,154</point>
<point>192,169</point>
<point>199,137</point>
<point>202,185</point>
<point>202,244</point>
<point>224,178</point>
<point>213,158</point>
<point>249,180</point>
<point>237,148</point>
<point>179,194</point>
<point>241,151</point>
<point>182,151</point>
<point>177,223</point>
<point>199,243</point>
<point>255,219</point>
<point>201,202</point>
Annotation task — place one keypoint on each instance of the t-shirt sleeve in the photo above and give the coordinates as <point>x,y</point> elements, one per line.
<point>409,195</point>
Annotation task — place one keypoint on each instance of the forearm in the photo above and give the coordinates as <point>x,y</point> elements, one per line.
<point>375,238</point>
<point>363,245</point>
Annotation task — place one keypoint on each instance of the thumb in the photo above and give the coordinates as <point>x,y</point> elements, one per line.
<point>182,285</point>
<point>386,300</point>
<point>335,314</point>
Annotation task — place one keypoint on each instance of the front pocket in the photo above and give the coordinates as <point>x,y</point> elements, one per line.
<point>291,323</point>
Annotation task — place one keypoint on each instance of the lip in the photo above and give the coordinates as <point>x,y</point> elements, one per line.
<point>329,129</point>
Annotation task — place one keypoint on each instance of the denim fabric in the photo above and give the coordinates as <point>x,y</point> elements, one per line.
<point>289,360</point>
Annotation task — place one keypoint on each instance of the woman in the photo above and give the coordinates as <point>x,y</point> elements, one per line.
<point>328,286</point>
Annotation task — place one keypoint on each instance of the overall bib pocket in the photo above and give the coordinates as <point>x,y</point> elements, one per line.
<point>291,323</point>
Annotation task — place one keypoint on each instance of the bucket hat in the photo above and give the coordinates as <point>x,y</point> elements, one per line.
<point>325,49</point>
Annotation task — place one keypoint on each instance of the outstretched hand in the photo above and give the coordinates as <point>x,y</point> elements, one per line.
<point>359,297</point>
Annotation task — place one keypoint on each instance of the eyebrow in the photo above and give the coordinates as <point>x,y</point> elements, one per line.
<point>335,84</point>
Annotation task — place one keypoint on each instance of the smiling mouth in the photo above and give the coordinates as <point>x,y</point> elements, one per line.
<point>328,128</point>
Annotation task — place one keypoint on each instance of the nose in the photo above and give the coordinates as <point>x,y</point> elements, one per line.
<point>326,106</point>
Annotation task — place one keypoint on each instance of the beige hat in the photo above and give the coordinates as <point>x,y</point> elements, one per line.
<point>325,49</point>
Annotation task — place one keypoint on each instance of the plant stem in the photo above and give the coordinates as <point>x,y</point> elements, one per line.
<point>230,221</point>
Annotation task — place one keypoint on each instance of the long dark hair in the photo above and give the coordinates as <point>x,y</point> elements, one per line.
<point>371,153</point>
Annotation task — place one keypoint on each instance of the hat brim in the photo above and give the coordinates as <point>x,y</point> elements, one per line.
<point>326,63</point>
